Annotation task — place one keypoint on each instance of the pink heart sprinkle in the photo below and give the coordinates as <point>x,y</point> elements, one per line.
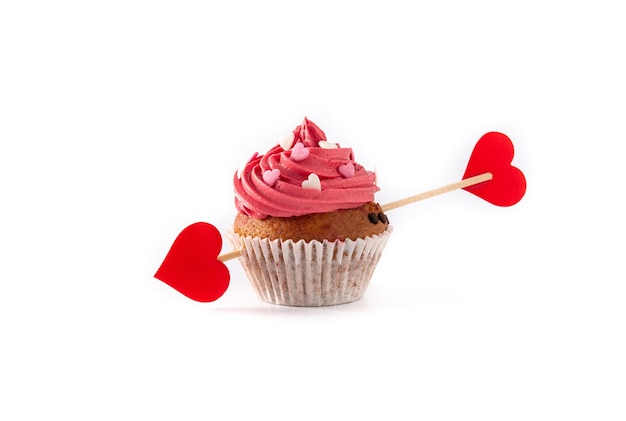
<point>299,152</point>
<point>346,170</point>
<point>271,176</point>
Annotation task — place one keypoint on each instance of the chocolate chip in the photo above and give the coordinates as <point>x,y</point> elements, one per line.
<point>373,217</point>
<point>383,218</point>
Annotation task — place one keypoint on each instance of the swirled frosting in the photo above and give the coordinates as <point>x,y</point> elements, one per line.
<point>301,175</point>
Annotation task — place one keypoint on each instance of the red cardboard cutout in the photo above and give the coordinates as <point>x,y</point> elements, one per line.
<point>494,153</point>
<point>191,266</point>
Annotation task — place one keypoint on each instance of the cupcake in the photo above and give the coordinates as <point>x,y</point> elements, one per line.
<point>307,224</point>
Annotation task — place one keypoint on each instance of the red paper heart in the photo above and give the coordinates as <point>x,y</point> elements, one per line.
<point>191,266</point>
<point>493,153</point>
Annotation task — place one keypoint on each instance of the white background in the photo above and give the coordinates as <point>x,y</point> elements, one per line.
<point>121,122</point>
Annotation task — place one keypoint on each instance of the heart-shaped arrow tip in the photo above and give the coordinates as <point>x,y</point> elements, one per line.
<point>191,266</point>
<point>493,153</point>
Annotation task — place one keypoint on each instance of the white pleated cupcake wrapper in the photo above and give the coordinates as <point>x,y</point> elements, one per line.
<point>311,273</point>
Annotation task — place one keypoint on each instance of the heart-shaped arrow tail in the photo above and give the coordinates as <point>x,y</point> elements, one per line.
<point>192,267</point>
<point>493,154</point>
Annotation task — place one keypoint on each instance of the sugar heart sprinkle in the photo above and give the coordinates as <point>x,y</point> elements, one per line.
<point>286,141</point>
<point>271,176</point>
<point>313,183</point>
<point>346,170</point>
<point>299,152</point>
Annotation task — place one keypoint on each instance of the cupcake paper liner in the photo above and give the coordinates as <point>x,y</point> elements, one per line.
<point>310,274</point>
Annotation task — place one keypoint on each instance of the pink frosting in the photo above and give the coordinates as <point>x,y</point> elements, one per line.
<point>343,183</point>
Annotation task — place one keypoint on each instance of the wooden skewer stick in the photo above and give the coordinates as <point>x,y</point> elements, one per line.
<point>441,190</point>
<point>230,255</point>
<point>402,202</point>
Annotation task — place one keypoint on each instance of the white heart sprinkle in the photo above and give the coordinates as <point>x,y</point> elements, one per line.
<point>327,145</point>
<point>286,142</point>
<point>313,183</point>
